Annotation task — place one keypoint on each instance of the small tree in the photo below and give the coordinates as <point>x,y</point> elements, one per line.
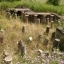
<point>54,2</point>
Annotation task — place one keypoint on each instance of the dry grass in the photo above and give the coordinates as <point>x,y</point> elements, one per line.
<point>62,2</point>
<point>13,33</point>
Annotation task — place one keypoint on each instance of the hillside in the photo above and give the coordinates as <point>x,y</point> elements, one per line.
<point>38,44</point>
<point>13,33</point>
<point>11,29</point>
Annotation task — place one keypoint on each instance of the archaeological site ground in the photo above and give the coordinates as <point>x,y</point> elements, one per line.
<point>31,32</point>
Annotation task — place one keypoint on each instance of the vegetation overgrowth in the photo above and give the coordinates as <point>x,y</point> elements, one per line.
<point>13,32</point>
<point>34,5</point>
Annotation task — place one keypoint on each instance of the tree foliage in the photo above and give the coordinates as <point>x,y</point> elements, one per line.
<point>54,2</point>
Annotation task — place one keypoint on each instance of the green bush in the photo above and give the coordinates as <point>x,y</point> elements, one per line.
<point>54,2</point>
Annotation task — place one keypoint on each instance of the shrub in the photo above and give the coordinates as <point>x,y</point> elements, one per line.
<point>54,2</point>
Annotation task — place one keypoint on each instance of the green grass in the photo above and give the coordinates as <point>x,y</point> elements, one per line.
<point>34,5</point>
<point>53,62</point>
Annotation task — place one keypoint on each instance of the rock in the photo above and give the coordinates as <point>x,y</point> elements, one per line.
<point>40,36</point>
<point>59,22</point>
<point>15,15</point>
<point>21,47</point>
<point>52,16</point>
<point>46,41</point>
<point>39,52</point>
<point>47,29</point>
<point>51,24</point>
<point>47,21</point>
<point>26,18</point>
<point>59,32</point>
<point>30,39</point>
<point>5,54</point>
<point>53,36</point>
<point>8,60</point>
<point>1,39</point>
<point>23,28</point>
<point>35,18</point>
<point>47,53</point>
<point>56,43</point>
<point>8,15</point>
<point>23,51</point>
<point>38,21</point>
<point>20,44</point>
<point>2,30</point>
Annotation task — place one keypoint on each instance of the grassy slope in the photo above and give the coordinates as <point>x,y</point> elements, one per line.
<point>12,33</point>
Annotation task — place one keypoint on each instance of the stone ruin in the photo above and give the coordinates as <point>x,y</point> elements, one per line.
<point>23,29</point>
<point>39,52</point>
<point>57,36</point>
<point>59,32</point>
<point>1,35</point>
<point>23,51</point>
<point>40,37</point>
<point>1,39</point>
<point>5,53</point>
<point>56,43</point>
<point>53,36</point>
<point>21,48</point>
<point>19,43</point>
<point>46,41</point>
<point>47,30</point>
<point>52,23</point>
<point>30,16</point>
<point>38,17</point>
<point>7,59</point>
